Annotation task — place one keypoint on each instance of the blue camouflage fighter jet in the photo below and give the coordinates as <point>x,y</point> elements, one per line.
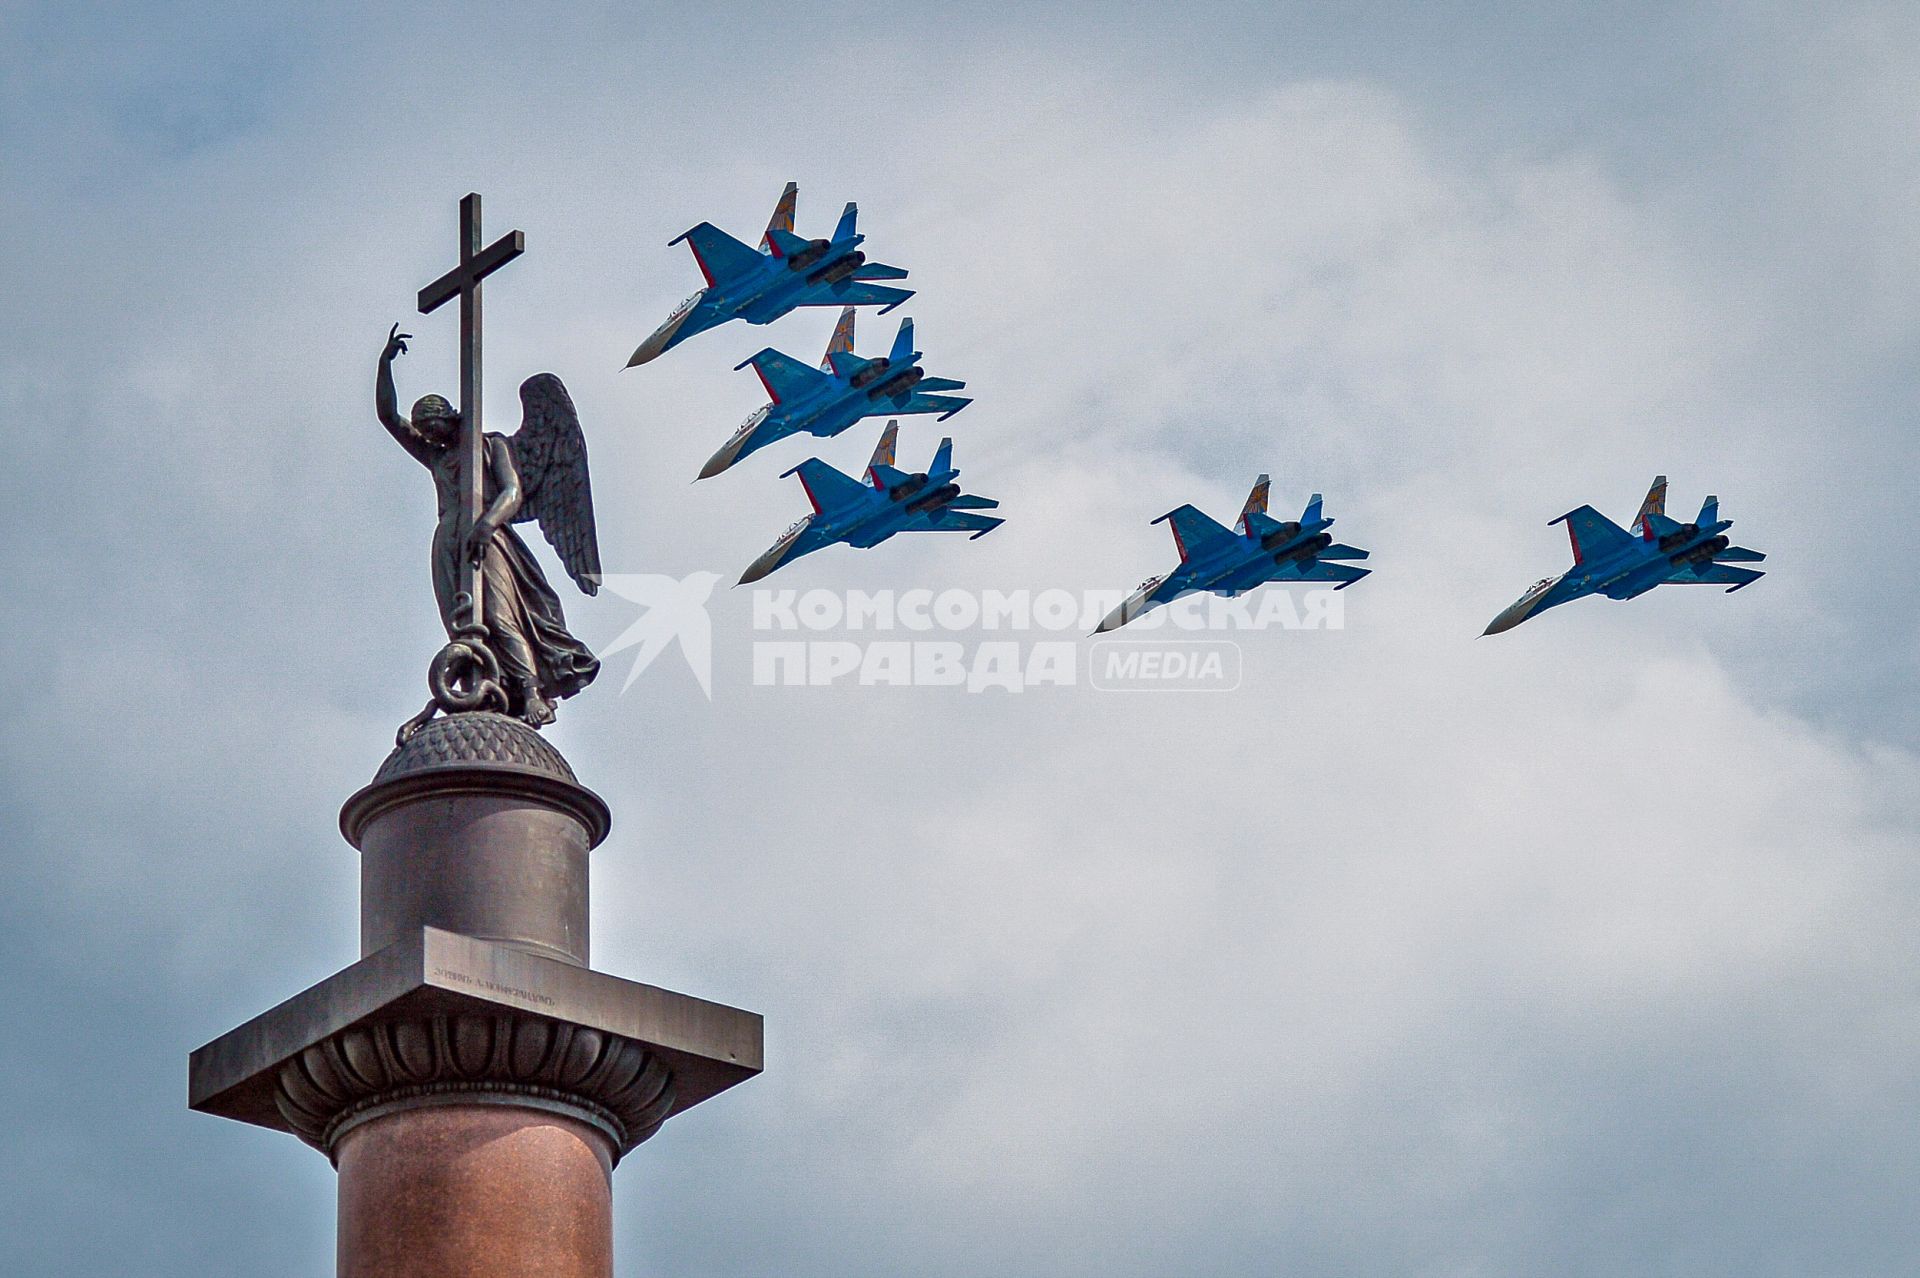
<point>844,389</point>
<point>1257,550</point>
<point>1608,560</point>
<point>890,501</point>
<point>787,272</point>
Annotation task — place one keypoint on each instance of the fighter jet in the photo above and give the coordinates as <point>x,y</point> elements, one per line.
<point>1608,560</point>
<point>845,389</point>
<point>787,272</point>
<point>890,501</point>
<point>1258,549</point>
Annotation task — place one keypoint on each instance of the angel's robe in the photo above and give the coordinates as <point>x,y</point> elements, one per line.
<point>526,628</point>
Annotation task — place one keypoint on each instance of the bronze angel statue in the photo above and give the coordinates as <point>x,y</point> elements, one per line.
<point>538,473</point>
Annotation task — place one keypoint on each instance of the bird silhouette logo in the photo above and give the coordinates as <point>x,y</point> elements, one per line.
<point>674,611</point>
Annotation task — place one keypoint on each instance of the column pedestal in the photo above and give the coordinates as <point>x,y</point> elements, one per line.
<point>473,1081</point>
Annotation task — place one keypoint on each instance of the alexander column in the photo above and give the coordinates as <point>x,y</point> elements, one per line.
<point>472,1079</point>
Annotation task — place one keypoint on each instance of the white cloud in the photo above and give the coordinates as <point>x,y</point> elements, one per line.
<point>1420,954</point>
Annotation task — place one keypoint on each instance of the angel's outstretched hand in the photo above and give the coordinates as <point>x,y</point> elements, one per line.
<point>396,343</point>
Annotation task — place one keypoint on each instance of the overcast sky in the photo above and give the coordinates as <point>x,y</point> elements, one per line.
<point>1588,949</point>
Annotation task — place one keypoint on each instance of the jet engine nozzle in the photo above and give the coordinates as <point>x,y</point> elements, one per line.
<point>813,252</point>
<point>839,269</point>
<point>1702,553</point>
<point>1680,536</point>
<point>909,486</point>
<point>1280,536</point>
<point>900,384</point>
<point>871,373</point>
<point>1306,549</point>
<point>938,497</point>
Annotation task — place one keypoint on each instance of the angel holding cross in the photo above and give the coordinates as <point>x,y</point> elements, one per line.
<point>539,473</point>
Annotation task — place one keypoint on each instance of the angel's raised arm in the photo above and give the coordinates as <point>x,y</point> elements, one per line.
<point>387,404</point>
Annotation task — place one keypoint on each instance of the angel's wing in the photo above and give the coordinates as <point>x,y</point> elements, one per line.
<point>551,455</point>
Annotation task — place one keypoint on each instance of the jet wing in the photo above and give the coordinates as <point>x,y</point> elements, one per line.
<point>945,405</point>
<point>1727,575</point>
<point>1324,571</point>
<point>826,487</point>
<point>1195,534</point>
<point>1593,534</point>
<point>721,257</point>
<point>963,521</point>
<point>854,293</point>
<point>784,376</point>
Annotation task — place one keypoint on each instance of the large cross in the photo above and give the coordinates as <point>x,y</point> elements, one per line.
<point>463,282</point>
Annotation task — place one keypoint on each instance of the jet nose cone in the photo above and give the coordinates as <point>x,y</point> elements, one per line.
<point>1507,620</point>
<point>761,566</point>
<point>729,454</point>
<point>777,554</point>
<point>662,338</point>
<point>1125,611</point>
<point>653,346</point>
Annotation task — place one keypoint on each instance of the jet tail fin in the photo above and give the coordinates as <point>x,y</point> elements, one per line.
<point>841,343</point>
<point>782,220</point>
<point>1655,504</point>
<point>1739,555</point>
<point>942,458</point>
<point>848,216</point>
<point>1312,513</point>
<point>1709,512</point>
<point>1256,503</point>
<point>902,343</point>
<point>883,452</point>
